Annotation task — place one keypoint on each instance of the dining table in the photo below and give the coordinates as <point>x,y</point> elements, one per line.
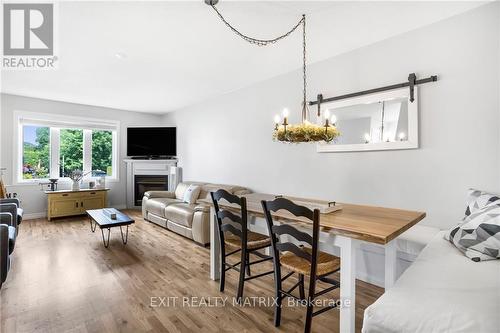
<point>345,229</point>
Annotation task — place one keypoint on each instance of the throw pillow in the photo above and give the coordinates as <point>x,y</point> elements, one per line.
<point>479,236</point>
<point>191,194</point>
<point>477,200</point>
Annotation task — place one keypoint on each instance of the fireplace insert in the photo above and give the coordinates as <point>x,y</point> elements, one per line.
<point>144,183</point>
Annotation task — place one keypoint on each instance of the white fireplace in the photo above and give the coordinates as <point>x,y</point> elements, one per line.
<point>150,174</point>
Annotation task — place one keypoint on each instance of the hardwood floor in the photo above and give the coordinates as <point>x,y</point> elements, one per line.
<point>64,280</point>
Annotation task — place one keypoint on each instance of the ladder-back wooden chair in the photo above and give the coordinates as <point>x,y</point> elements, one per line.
<point>305,259</point>
<point>233,232</point>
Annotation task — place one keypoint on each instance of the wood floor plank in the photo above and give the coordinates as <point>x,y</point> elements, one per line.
<point>64,280</point>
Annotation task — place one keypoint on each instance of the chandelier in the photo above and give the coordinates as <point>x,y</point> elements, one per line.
<point>305,131</point>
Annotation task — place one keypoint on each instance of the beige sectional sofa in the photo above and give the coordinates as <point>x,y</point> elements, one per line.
<point>168,210</point>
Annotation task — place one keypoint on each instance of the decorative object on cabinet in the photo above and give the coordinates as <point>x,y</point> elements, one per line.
<point>76,177</point>
<point>51,185</point>
<point>100,182</point>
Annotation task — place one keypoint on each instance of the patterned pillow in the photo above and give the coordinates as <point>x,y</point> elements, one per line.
<point>477,200</point>
<point>478,237</point>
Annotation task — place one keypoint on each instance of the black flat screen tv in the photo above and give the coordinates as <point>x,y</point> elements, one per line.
<point>151,141</point>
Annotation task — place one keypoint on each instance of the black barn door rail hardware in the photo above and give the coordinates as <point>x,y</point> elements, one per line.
<point>412,82</point>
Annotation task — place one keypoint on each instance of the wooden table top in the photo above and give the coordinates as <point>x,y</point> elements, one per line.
<point>368,223</point>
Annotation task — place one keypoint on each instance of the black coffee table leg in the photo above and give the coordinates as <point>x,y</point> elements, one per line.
<point>92,225</point>
<point>126,235</point>
<point>103,240</point>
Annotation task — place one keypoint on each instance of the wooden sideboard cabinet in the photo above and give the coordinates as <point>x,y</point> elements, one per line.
<point>69,203</point>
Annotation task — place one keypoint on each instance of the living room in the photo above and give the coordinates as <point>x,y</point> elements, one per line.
<point>352,147</point>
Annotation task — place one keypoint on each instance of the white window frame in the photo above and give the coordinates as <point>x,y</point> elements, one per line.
<point>56,122</point>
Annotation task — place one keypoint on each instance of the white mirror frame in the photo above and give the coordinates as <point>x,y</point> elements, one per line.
<point>410,143</point>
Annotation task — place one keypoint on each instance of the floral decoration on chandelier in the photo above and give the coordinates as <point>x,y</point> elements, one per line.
<point>305,132</point>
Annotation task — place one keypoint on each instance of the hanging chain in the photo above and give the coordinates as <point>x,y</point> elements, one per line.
<point>265,42</point>
<point>256,41</point>
<point>305,115</point>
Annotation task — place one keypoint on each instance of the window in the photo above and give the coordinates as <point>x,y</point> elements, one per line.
<point>51,147</point>
<point>70,151</point>
<point>36,154</point>
<point>102,153</point>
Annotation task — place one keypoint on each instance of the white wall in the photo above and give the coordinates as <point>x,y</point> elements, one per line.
<point>33,199</point>
<point>228,139</point>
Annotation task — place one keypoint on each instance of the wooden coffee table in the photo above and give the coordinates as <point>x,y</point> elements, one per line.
<point>97,217</point>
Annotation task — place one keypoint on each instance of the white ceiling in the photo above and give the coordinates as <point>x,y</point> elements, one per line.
<point>179,53</point>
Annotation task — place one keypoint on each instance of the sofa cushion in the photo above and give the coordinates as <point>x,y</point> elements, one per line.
<point>12,238</point>
<point>9,209</point>
<point>20,213</point>
<point>442,291</point>
<point>413,240</point>
<point>157,205</point>
<point>207,188</point>
<point>180,229</point>
<point>180,213</point>
<point>240,190</point>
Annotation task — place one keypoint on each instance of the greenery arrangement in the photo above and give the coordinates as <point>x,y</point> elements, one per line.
<point>305,132</point>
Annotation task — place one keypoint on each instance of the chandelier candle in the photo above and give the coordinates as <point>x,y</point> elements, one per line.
<point>276,122</point>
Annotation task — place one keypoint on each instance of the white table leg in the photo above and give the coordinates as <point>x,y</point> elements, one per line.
<point>214,247</point>
<point>390,264</point>
<point>348,248</point>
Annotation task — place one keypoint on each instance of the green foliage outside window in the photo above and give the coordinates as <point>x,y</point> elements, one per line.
<point>70,151</point>
<point>102,152</point>
<point>36,152</point>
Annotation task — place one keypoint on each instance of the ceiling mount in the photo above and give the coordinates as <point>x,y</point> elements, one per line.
<point>211,2</point>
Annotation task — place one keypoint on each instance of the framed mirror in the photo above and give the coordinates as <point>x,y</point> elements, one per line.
<point>380,121</point>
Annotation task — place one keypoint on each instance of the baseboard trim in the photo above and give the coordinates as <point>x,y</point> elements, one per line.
<point>369,278</point>
<point>33,216</point>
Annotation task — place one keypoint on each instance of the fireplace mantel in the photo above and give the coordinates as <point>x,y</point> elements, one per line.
<point>150,168</point>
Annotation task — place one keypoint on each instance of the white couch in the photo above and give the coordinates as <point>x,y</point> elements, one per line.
<point>442,291</point>
<point>167,209</point>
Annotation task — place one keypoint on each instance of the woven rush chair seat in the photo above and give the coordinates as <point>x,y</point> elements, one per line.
<point>254,240</point>
<point>326,263</point>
